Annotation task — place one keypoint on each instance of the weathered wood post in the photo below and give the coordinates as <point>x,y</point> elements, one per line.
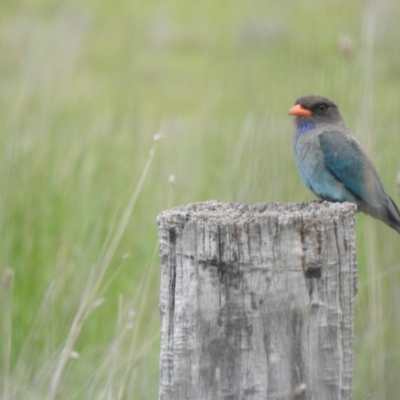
<point>257,301</point>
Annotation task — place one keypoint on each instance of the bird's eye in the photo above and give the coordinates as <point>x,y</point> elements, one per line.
<point>322,107</point>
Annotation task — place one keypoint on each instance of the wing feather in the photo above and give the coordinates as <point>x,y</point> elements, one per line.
<point>348,162</point>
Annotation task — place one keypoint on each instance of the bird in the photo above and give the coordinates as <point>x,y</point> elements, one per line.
<point>332,163</point>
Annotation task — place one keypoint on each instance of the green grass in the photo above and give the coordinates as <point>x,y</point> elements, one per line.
<point>84,87</point>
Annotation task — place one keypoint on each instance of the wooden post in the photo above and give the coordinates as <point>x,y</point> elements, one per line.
<point>257,301</point>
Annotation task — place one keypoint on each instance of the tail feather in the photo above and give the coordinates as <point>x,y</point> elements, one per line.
<point>388,213</point>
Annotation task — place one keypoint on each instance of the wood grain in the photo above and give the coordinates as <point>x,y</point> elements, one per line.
<point>257,301</point>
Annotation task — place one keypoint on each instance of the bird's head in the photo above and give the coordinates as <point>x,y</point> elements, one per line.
<point>314,110</point>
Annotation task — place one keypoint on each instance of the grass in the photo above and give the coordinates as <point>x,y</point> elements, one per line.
<point>85,87</point>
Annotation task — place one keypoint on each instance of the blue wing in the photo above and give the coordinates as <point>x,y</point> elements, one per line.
<point>349,163</point>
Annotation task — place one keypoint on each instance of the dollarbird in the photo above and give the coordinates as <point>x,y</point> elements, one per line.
<point>332,163</point>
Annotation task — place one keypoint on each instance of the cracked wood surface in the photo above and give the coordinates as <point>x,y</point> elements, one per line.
<point>257,301</point>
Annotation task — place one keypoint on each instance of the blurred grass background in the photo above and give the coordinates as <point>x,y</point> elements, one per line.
<point>84,86</point>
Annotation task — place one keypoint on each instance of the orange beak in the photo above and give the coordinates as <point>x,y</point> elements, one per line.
<point>299,111</point>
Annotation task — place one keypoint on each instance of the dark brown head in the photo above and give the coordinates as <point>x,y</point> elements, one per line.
<point>315,109</point>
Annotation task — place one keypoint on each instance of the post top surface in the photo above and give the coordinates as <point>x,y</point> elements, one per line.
<point>220,212</point>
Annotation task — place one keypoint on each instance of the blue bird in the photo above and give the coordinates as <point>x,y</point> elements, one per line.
<point>332,163</point>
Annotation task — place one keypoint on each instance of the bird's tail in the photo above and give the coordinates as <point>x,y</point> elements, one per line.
<point>388,213</point>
